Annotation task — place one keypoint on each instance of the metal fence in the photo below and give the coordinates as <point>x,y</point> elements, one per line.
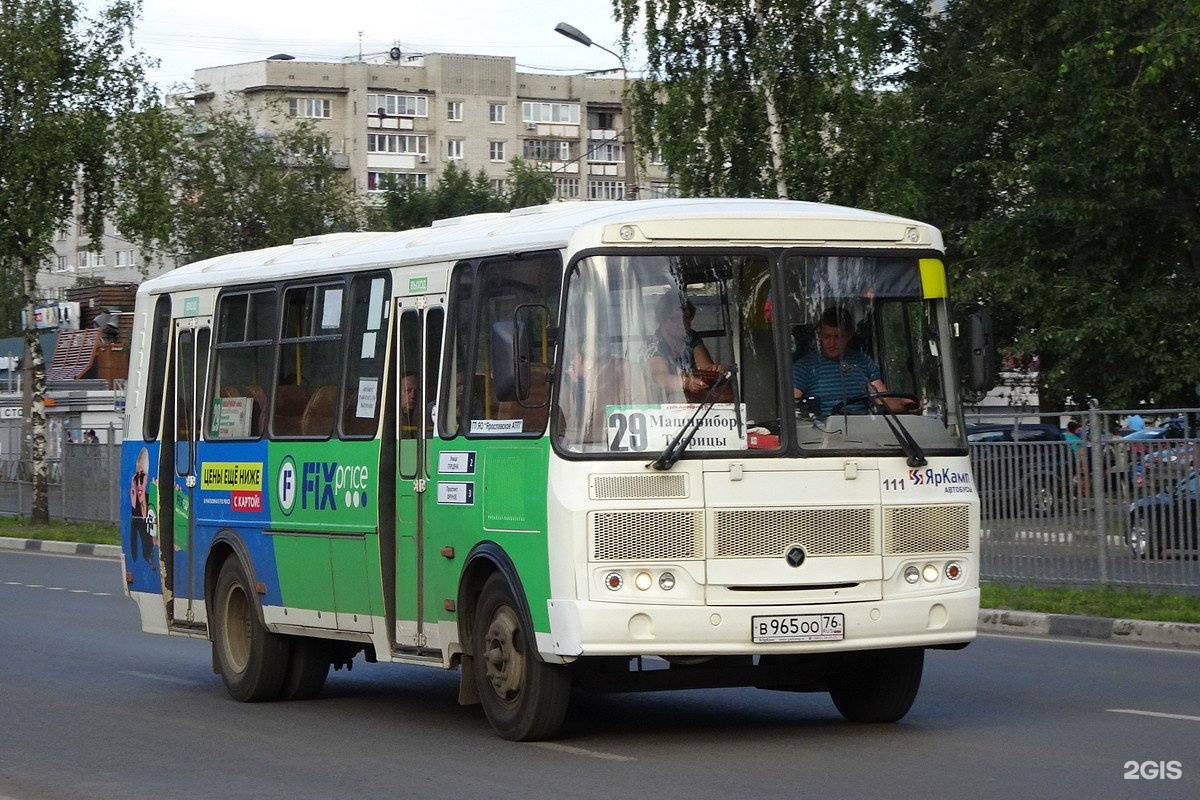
<point>1102,511</point>
<point>82,476</point>
<point>1106,510</point>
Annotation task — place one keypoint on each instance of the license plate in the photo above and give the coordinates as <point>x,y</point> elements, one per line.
<point>798,628</point>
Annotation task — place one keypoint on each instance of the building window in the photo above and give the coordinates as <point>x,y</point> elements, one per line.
<point>659,189</point>
<point>607,153</point>
<point>499,186</point>
<point>602,120</point>
<point>561,113</point>
<point>398,105</point>
<point>547,150</point>
<point>382,181</point>
<point>496,151</point>
<point>60,264</point>
<point>454,149</point>
<point>124,258</point>
<point>454,111</point>
<point>606,190</point>
<point>310,107</point>
<point>401,143</point>
<point>90,260</point>
<point>496,112</point>
<point>566,188</point>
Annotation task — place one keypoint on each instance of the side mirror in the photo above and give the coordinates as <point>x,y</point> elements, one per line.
<point>514,351</point>
<point>981,352</point>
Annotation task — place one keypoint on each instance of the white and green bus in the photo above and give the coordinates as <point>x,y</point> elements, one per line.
<point>560,449</point>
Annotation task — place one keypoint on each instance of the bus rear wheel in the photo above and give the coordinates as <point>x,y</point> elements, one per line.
<point>252,661</point>
<point>524,698</point>
<point>877,685</point>
<point>307,670</point>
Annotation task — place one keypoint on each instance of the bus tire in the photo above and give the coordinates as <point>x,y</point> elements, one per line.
<point>524,698</point>
<point>876,685</point>
<point>252,661</point>
<point>308,667</point>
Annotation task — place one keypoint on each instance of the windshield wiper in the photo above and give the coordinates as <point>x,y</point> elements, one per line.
<point>916,456</point>
<point>674,450</point>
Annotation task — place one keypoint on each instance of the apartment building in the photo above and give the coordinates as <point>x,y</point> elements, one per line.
<point>407,117</point>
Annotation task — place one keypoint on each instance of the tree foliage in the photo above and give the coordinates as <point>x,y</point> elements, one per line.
<point>459,193</point>
<point>1063,162</point>
<point>716,65</point>
<point>238,188</point>
<point>65,84</point>
<point>1056,143</point>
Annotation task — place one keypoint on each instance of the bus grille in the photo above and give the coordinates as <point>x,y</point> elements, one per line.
<point>926,529</point>
<point>641,535</point>
<point>639,487</point>
<point>767,533</point>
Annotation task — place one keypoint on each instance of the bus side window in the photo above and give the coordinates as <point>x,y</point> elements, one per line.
<point>310,361</point>
<point>453,400</point>
<point>242,361</point>
<point>160,346</point>
<point>508,289</point>
<point>370,305</point>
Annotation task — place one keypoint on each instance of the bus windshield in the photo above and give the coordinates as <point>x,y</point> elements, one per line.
<point>648,337</point>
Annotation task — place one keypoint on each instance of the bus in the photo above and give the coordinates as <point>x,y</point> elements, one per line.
<point>561,448</point>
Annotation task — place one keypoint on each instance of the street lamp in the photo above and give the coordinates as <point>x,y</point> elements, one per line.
<point>576,35</point>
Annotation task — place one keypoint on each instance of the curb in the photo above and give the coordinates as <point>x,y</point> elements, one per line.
<point>61,548</point>
<point>1119,631</point>
<point>1024,623</point>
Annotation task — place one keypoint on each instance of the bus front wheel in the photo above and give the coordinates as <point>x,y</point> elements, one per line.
<point>252,661</point>
<point>524,698</point>
<point>877,685</point>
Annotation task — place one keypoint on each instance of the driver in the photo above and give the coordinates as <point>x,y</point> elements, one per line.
<point>835,373</point>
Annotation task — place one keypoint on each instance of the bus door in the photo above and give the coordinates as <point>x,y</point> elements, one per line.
<point>191,367</point>
<point>418,349</point>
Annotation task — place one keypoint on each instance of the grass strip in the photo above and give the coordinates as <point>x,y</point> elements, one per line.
<point>60,531</point>
<point>1093,602</point>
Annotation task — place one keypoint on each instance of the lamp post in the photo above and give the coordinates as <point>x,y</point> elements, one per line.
<point>576,35</point>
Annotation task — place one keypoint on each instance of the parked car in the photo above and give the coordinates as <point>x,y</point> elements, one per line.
<point>1152,450</point>
<point>1033,476</point>
<point>1165,523</point>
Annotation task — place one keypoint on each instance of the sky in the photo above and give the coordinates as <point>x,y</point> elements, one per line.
<point>185,35</point>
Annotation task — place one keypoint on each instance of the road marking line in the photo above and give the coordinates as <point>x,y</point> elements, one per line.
<point>1153,714</point>
<point>154,677</point>
<point>579,751</point>
<point>57,589</point>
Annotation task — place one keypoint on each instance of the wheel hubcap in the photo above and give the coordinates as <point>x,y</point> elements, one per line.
<point>504,661</point>
<point>237,629</point>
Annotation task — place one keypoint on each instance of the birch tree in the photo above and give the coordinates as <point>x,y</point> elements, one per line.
<point>69,88</point>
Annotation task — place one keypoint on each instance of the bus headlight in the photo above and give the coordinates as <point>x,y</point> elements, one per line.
<point>643,581</point>
<point>953,570</point>
<point>930,572</point>
<point>912,574</point>
<point>613,581</point>
<point>666,581</point>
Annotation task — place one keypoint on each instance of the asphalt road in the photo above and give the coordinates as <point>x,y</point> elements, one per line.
<point>92,708</point>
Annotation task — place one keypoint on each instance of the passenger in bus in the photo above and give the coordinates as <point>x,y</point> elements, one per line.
<point>676,352</point>
<point>835,372</point>
<point>410,419</point>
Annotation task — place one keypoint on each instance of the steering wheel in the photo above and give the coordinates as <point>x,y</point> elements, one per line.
<point>878,396</point>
